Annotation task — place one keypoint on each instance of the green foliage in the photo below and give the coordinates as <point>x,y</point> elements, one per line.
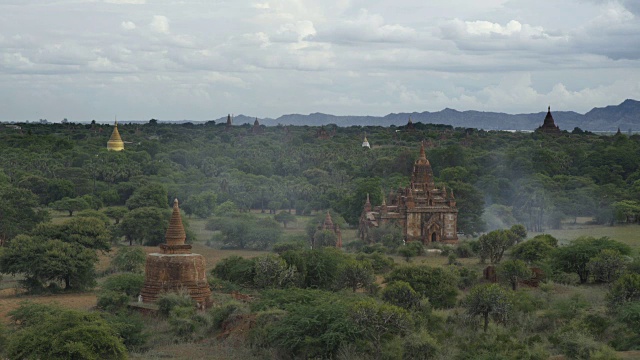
<point>246,232</point>
<point>513,271</point>
<point>130,328</point>
<point>201,205</point>
<point>284,217</point>
<point>355,274</point>
<point>625,289</point>
<point>379,262</point>
<point>324,238</point>
<point>235,269</point>
<point>575,256</point>
<point>169,301</point>
<point>314,324</point>
<point>112,301</point>
<point>129,284</point>
<point>420,346</point>
<point>65,252</point>
<point>293,245</point>
<point>18,213</point>
<point>401,294</point>
<point>149,195</point>
<point>488,301</point>
<point>116,212</point>
<point>607,266</point>
<point>94,214</point>
<point>70,205</point>
<point>577,344</point>
<point>493,245</point>
<point>389,235</point>
<point>145,225</point>
<point>271,271</point>
<point>128,259</point>
<point>48,332</point>
<point>439,285</point>
<point>534,250</point>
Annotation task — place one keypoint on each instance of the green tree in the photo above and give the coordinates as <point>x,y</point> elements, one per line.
<point>284,217</point>
<point>128,259</point>
<point>574,257</point>
<point>494,244</point>
<point>201,205</point>
<point>607,266</point>
<point>624,290</point>
<point>378,322</point>
<point>18,213</point>
<point>116,212</point>
<point>324,238</point>
<point>146,225</point>
<point>439,285</point>
<point>149,195</point>
<point>488,301</point>
<point>400,293</point>
<point>70,205</point>
<point>513,271</point>
<point>65,252</point>
<point>355,274</point>
<point>48,332</point>
<point>535,250</point>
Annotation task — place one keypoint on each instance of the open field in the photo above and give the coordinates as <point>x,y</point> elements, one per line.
<point>628,234</point>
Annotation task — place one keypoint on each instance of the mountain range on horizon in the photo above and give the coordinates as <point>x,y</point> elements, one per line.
<point>625,116</point>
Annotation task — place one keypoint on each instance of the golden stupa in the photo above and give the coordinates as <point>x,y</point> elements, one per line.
<point>115,142</point>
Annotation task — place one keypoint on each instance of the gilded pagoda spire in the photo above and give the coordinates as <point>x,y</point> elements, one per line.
<point>175,233</point>
<point>115,142</point>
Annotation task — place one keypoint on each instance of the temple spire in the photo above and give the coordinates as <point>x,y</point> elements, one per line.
<point>423,154</point>
<point>175,233</point>
<point>115,142</point>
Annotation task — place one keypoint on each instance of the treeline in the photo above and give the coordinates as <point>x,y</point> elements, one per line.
<point>498,178</point>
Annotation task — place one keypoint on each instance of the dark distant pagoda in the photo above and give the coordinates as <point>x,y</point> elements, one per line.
<point>549,126</point>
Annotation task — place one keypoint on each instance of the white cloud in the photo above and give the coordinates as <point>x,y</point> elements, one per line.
<point>160,24</point>
<point>128,25</point>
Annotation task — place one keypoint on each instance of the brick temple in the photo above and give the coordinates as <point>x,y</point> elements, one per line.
<point>549,125</point>
<point>424,212</point>
<point>175,268</point>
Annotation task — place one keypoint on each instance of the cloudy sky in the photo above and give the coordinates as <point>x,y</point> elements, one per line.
<point>202,59</point>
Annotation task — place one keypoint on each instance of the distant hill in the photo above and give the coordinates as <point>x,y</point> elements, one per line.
<point>625,116</point>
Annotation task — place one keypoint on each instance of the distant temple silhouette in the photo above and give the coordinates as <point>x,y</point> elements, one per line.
<point>549,125</point>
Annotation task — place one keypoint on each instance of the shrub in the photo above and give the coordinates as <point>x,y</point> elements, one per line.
<point>297,244</point>
<point>129,284</point>
<point>235,269</point>
<point>168,301</point>
<point>439,285</point>
<point>464,250</point>
<point>625,289</point>
<point>379,262</point>
<point>128,259</point>
<point>400,293</point>
<point>112,301</point>
<point>420,346</point>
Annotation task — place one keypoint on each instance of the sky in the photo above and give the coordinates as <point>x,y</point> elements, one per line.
<point>203,59</point>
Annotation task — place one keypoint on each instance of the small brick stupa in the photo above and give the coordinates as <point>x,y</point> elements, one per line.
<point>175,268</point>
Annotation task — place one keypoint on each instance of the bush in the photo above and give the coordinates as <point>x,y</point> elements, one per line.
<point>169,301</point>
<point>112,301</point>
<point>219,315</point>
<point>284,246</point>
<point>235,269</point>
<point>400,293</point>
<point>439,285</point>
<point>420,346</point>
<point>578,345</point>
<point>625,289</point>
<point>380,263</point>
<point>128,259</point>
<point>130,328</point>
<point>464,250</point>
<point>129,284</point>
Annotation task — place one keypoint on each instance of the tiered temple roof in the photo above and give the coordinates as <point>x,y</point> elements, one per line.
<point>549,125</point>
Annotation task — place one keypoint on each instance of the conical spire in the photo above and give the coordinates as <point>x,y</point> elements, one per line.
<point>328,222</point>
<point>175,233</point>
<point>367,204</point>
<point>423,154</point>
<point>115,142</point>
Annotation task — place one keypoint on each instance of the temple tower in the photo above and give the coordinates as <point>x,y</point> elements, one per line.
<point>365,142</point>
<point>335,228</point>
<point>175,268</point>
<point>115,142</point>
<point>549,126</point>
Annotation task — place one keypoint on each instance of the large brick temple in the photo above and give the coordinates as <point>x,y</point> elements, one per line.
<point>175,268</point>
<point>424,212</point>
